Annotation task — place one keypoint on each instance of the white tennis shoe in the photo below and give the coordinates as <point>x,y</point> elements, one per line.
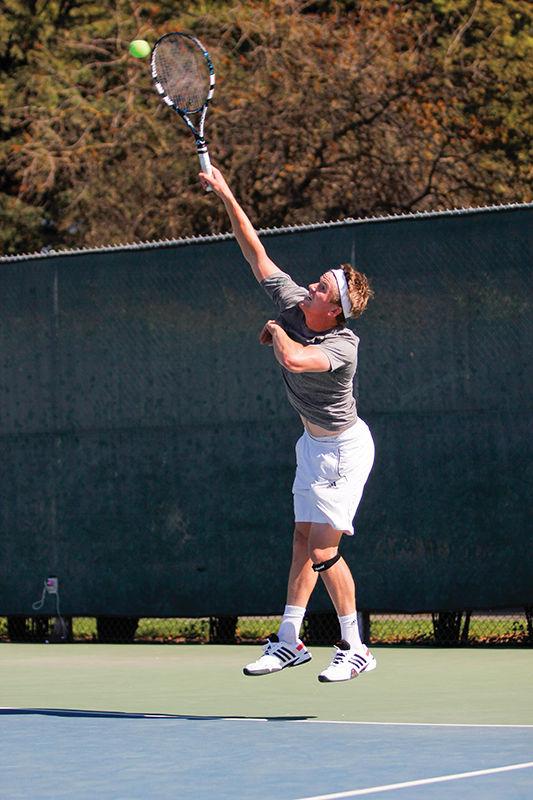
<point>347,663</point>
<point>278,655</point>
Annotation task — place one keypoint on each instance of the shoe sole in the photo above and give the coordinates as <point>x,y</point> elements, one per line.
<point>323,679</point>
<point>273,671</point>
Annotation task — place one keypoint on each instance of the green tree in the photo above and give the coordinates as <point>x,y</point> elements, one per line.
<point>322,110</point>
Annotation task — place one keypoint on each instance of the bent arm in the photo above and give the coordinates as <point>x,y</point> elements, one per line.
<point>296,357</point>
<point>248,240</point>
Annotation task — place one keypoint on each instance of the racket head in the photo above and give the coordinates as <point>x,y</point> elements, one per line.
<point>182,72</point>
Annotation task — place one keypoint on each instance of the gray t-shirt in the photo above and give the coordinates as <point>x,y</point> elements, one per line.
<point>325,398</point>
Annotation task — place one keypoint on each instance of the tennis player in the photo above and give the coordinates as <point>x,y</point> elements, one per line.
<point>317,354</point>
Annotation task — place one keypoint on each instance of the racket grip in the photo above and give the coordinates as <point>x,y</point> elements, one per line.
<point>205,164</point>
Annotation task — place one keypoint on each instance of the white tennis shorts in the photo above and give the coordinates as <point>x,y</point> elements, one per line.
<point>331,473</point>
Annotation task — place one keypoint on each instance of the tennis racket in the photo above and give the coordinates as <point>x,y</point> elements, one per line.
<point>184,78</point>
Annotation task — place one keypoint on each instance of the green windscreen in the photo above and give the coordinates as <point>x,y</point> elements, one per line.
<point>148,446</point>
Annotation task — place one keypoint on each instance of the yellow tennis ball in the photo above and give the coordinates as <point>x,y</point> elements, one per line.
<point>139,48</point>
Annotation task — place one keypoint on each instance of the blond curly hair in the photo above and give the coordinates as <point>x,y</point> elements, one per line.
<point>359,292</point>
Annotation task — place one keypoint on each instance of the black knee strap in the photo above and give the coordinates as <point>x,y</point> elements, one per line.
<point>326,564</point>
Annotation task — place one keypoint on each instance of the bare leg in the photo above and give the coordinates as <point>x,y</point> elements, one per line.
<point>323,541</point>
<point>286,649</point>
<point>302,579</point>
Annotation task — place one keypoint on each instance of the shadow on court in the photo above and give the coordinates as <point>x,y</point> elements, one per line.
<point>78,712</point>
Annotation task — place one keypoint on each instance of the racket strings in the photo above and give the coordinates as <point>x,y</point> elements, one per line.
<point>182,72</point>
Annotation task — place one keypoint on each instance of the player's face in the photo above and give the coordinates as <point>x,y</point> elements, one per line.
<point>321,294</point>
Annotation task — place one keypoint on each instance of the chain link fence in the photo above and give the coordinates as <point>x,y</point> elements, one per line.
<point>444,628</point>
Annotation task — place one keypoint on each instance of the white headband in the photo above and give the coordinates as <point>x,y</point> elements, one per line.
<point>342,283</point>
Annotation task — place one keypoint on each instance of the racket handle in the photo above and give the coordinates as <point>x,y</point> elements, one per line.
<point>205,164</point>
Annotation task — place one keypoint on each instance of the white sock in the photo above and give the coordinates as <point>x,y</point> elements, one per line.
<point>350,631</point>
<point>289,629</point>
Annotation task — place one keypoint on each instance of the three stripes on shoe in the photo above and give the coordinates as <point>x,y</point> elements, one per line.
<point>284,654</point>
<point>359,661</point>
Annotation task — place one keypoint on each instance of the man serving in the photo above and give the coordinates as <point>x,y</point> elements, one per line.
<point>317,354</point>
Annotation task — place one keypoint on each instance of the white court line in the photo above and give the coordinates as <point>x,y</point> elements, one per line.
<point>422,724</point>
<point>423,782</point>
<point>408,724</point>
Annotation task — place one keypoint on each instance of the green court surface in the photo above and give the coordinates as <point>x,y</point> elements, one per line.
<point>130,722</point>
<point>410,685</point>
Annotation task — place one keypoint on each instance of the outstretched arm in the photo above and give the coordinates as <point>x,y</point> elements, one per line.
<point>252,249</point>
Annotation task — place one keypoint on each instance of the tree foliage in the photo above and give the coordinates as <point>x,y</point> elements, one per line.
<point>322,110</point>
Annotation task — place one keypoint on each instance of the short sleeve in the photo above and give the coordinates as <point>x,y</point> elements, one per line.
<point>283,291</point>
<point>341,351</point>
